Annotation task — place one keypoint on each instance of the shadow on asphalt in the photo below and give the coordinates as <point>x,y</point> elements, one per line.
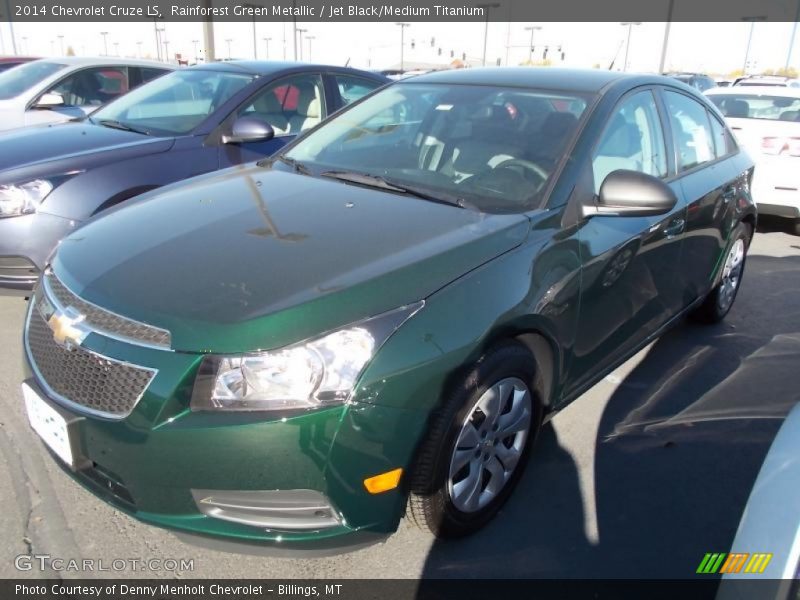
<point>678,448</point>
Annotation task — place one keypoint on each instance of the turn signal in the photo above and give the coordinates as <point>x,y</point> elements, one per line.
<point>383,482</point>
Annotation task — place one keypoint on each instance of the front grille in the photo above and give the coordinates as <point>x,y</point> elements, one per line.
<point>81,378</point>
<point>104,321</point>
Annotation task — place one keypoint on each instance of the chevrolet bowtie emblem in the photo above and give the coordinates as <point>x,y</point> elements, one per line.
<point>68,327</point>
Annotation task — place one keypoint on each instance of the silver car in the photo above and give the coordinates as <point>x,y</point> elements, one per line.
<point>53,90</point>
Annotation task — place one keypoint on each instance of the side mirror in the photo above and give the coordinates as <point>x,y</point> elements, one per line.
<point>249,129</point>
<point>50,100</point>
<point>632,194</point>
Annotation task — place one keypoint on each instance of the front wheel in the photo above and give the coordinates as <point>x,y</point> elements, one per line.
<point>720,300</point>
<point>477,445</point>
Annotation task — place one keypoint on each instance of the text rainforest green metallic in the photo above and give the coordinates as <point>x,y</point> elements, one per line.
<point>381,317</point>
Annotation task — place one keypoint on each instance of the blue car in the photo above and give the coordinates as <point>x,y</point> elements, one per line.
<point>190,122</point>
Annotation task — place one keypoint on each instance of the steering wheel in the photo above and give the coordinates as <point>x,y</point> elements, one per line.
<point>526,165</point>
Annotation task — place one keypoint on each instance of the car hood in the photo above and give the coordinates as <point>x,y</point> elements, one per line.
<point>46,149</point>
<point>253,258</point>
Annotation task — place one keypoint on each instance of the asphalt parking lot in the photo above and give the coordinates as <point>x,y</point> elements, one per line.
<point>639,477</point>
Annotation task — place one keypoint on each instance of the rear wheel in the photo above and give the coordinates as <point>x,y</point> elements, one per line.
<point>477,445</point>
<point>720,300</point>
<point>796,227</point>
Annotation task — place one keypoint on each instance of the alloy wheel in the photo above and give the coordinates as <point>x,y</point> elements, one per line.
<point>490,444</point>
<point>731,275</point>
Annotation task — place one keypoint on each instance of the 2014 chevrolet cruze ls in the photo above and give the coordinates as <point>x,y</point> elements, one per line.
<point>379,318</point>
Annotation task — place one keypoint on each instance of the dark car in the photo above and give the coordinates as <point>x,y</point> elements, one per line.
<point>378,318</point>
<point>7,62</point>
<point>192,121</point>
<point>698,81</point>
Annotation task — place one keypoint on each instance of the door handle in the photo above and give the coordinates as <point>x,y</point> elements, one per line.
<point>674,228</point>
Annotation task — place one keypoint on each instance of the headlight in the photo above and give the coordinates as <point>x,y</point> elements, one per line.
<point>317,373</point>
<point>23,198</point>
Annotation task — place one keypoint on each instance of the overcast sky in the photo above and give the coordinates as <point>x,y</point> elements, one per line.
<point>712,47</point>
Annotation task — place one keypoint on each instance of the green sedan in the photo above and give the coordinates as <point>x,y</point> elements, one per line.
<point>376,321</point>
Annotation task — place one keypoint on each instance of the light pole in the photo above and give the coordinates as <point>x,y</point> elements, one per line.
<point>116,48</point>
<point>752,21</point>
<point>139,49</point>
<point>61,43</point>
<point>194,45</point>
<point>308,39</point>
<point>166,49</point>
<point>666,37</point>
<point>299,41</point>
<point>255,48</point>
<point>24,44</point>
<point>532,29</point>
<point>105,42</point>
<point>402,27</point>
<point>266,45</point>
<point>629,25</point>
<point>488,8</point>
<point>228,41</point>
<point>791,39</point>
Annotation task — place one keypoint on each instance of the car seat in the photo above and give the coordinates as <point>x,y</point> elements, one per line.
<point>308,112</point>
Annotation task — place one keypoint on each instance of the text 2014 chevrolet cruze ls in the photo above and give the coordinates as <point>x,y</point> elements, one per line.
<point>381,316</point>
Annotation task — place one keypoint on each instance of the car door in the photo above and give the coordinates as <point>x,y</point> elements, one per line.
<point>83,91</point>
<point>629,264</point>
<point>290,104</point>
<point>708,179</point>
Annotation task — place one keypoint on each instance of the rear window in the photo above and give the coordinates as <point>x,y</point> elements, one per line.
<point>18,80</point>
<point>749,106</point>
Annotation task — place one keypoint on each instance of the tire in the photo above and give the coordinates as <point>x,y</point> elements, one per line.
<point>440,499</point>
<point>720,300</point>
<point>795,227</point>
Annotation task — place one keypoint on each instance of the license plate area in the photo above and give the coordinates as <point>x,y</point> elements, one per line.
<point>57,428</point>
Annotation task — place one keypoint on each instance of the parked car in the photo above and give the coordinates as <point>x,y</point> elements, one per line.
<point>766,121</point>
<point>698,81</point>
<point>770,80</point>
<point>54,90</point>
<point>189,122</point>
<point>7,62</point>
<point>767,543</point>
<point>723,82</point>
<point>382,314</point>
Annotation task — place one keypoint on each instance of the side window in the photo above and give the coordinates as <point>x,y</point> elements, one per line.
<point>291,104</point>
<point>633,140</point>
<point>150,74</point>
<point>723,142</point>
<point>691,130</point>
<point>93,87</point>
<point>352,88</point>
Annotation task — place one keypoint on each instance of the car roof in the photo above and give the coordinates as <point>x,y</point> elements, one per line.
<point>756,90</point>
<point>267,67</point>
<point>90,61</point>
<point>568,80</point>
<point>15,59</point>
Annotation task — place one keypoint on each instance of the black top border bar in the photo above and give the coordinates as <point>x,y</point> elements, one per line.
<point>399,10</point>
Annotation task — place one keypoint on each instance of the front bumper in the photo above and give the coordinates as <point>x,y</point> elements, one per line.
<point>157,462</point>
<point>25,244</point>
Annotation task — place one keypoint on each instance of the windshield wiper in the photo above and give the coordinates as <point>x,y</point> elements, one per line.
<point>297,166</point>
<point>123,126</point>
<point>391,185</point>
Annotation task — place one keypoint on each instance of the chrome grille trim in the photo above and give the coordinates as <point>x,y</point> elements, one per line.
<point>104,321</point>
<point>83,357</point>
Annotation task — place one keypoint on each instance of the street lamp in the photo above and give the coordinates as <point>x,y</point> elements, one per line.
<point>61,43</point>
<point>194,45</point>
<point>116,48</point>
<point>299,40</point>
<point>266,44</point>
<point>166,50</point>
<point>105,42</point>
<point>629,25</point>
<point>309,38</point>
<point>255,49</point>
<point>487,8</point>
<point>402,27</point>
<point>532,29</point>
<point>139,49</point>
<point>228,41</point>
<point>752,21</point>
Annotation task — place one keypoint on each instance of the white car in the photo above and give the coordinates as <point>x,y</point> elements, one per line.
<point>53,90</point>
<point>766,121</point>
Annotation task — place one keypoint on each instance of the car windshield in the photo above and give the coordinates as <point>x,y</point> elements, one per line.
<point>21,78</point>
<point>492,148</point>
<point>173,104</point>
<point>749,106</point>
